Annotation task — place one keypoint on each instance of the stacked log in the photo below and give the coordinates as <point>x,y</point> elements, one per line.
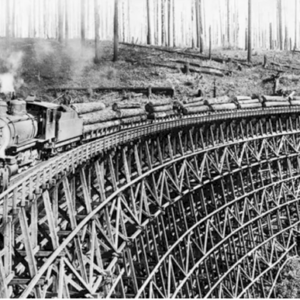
<point>294,100</point>
<point>245,102</point>
<point>103,125</point>
<point>275,101</point>
<point>126,105</point>
<point>192,106</point>
<point>83,108</point>
<point>99,116</point>
<point>130,112</point>
<point>221,103</point>
<point>159,108</point>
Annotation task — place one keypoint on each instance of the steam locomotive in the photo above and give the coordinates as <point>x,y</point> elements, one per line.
<point>32,130</point>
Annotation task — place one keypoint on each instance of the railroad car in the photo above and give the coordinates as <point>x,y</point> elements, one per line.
<point>32,130</point>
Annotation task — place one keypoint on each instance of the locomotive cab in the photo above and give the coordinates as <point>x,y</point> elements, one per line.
<point>58,125</point>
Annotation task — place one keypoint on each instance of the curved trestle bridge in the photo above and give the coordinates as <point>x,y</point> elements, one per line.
<point>202,206</point>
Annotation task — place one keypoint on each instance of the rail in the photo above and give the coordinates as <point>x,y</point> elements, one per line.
<point>26,187</point>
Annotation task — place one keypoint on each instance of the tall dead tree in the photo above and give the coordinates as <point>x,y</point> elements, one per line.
<point>249,30</point>
<point>60,21</point>
<point>45,9</point>
<point>13,19</point>
<point>174,22</point>
<point>67,28</point>
<point>97,30</point>
<point>201,27</point>
<point>116,31</point>
<point>228,22</point>
<point>279,14</point>
<point>169,23</point>
<point>7,19</point>
<point>192,15</point>
<point>82,28</point>
<point>271,37</point>
<point>163,26</point>
<point>149,31</point>
<point>296,19</point>
<point>198,31</point>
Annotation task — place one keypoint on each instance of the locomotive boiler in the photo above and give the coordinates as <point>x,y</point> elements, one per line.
<point>33,130</point>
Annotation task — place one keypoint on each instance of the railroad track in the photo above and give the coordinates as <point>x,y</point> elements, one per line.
<point>26,186</point>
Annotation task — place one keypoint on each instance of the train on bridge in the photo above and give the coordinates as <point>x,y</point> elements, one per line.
<point>32,130</point>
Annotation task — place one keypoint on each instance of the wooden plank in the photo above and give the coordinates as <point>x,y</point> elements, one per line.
<point>28,247</point>
<point>72,214</point>
<point>51,220</point>
<point>3,287</point>
<point>34,223</point>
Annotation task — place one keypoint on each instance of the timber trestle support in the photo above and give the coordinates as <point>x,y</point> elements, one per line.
<point>200,207</point>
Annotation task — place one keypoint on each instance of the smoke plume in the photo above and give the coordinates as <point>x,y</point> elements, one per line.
<point>11,64</point>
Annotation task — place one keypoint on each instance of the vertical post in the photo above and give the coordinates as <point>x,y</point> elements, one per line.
<point>97,31</point>
<point>249,30</point>
<point>116,31</point>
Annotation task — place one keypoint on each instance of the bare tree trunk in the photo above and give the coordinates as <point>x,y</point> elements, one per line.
<point>149,33</point>
<point>13,25</point>
<point>169,23</point>
<point>246,39</point>
<point>129,23</point>
<point>67,29</point>
<point>249,30</point>
<point>82,30</point>
<point>192,15</point>
<point>209,55</point>
<point>60,21</point>
<point>271,37</point>
<point>286,39</point>
<point>30,17</point>
<point>124,21</point>
<point>201,27</point>
<point>97,30</point>
<point>45,8</point>
<point>116,31</point>
<point>197,22</point>
<point>296,19</point>
<point>228,23</point>
<point>7,19</point>
<point>174,22</point>
<point>279,8</point>
<point>163,29</point>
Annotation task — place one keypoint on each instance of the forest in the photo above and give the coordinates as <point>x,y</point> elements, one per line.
<point>190,23</point>
<point>60,42</point>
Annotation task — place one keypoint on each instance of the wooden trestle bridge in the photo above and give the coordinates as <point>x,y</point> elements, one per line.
<point>202,206</point>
